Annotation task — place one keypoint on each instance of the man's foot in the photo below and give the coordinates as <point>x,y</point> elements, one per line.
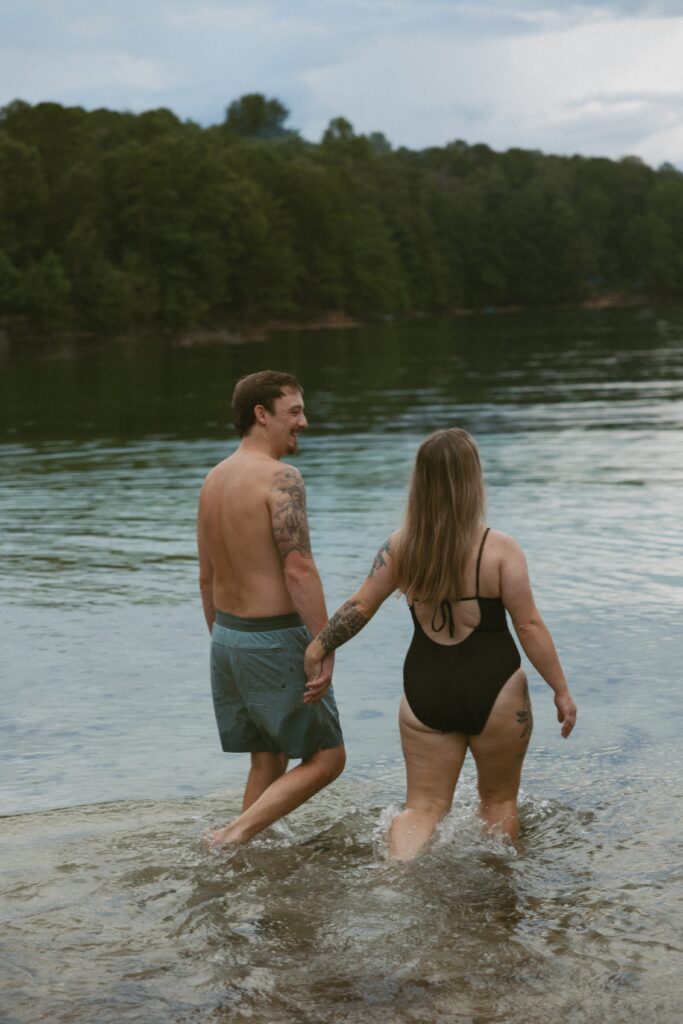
<point>219,838</point>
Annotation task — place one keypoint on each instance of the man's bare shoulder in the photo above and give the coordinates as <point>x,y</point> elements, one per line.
<point>240,465</point>
<point>285,476</point>
<point>216,471</point>
<point>274,478</point>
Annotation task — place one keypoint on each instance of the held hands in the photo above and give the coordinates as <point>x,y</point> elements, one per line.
<point>318,668</point>
<point>566,712</point>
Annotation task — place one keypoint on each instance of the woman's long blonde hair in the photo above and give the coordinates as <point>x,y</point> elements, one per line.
<point>446,506</point>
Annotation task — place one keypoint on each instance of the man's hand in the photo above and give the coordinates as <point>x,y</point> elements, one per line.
<point>318,672</point>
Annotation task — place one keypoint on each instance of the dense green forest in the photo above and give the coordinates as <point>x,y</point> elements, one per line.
<point>114,220</point>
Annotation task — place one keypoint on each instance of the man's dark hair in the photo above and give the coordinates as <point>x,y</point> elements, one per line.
<point>260,388</point>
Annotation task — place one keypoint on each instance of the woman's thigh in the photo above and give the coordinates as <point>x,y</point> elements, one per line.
<point>500,748</point>
<point>433,761</point>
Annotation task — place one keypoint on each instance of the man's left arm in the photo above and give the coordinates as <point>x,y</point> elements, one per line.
<point>287,502</point>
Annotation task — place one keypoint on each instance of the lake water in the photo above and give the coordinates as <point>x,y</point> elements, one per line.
<point>110,762</point>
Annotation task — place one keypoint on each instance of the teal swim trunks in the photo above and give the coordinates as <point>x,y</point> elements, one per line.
<point>258,681</point>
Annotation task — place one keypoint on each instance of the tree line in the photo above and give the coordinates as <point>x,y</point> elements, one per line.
<point>115,220</point>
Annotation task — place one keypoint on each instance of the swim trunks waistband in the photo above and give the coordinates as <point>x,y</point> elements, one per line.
<point>265,625</point>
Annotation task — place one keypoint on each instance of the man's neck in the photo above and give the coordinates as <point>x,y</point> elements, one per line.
<point>256,444</point>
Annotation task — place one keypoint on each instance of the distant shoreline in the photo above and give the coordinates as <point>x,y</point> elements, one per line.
<point>13,333</point>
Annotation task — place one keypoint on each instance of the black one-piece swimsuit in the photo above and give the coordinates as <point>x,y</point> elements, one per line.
<point>453,687</point>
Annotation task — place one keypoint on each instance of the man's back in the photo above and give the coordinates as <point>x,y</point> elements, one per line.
<point>263,600</point>
<point>235,528</point>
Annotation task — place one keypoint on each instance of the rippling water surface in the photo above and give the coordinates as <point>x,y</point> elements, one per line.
<point>110,762</point>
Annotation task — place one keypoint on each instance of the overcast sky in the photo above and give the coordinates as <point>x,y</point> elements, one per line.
<point>602,78</point>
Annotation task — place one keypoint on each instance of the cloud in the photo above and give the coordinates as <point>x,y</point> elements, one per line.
<point>625,123</point>
<point>585,88</point>
<point>609,87</point>
<point>83,73</point>
<point>601,78</point>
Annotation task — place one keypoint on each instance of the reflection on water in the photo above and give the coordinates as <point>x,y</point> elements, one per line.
<point>385,378</point>
<point>112,910</point>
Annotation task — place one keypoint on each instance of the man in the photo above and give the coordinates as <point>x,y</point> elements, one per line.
<point>263,600</point>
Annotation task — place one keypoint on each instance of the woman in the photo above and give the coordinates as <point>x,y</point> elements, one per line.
<point>463,684</point>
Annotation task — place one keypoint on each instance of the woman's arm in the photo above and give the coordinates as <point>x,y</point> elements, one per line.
<point>532,631</point>
<point>350,618</point>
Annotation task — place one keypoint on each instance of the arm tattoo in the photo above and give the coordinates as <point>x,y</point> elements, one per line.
<point>380,560</point>
<point>345,623</point>
<point>290,525</point>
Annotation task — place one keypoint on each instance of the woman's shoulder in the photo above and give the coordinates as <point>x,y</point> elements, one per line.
<point>390,543</point>
<point>502,544</point>
<point>385,553</point>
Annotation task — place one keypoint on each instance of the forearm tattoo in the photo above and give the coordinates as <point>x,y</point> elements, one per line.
<point>380,560</point>
<point>290,524</point>
<point>345,623</point>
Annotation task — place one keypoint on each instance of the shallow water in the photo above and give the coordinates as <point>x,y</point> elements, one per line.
<point>110,762</point>
<point>116,913</point>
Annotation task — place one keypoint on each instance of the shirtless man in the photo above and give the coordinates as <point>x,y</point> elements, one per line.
<point>263,600</point>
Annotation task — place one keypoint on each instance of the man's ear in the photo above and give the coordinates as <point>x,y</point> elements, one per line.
<point>260,414</point>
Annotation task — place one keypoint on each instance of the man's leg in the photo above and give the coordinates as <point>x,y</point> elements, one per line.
<point>283,795</point>
<point>265,769</point>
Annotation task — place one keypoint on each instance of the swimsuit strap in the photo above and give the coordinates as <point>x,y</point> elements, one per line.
<point>446,616</point>
<point>481,549</point>
<point>445,609</point>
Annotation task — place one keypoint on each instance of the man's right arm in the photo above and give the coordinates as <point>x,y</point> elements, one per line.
<point>205,580</point>
<point>205,566</point>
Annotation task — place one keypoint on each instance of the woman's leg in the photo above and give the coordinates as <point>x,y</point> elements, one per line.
<point>499,753</point>
<point>433,762</point>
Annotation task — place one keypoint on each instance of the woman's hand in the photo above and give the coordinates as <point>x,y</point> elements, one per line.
<point>566,712</point>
